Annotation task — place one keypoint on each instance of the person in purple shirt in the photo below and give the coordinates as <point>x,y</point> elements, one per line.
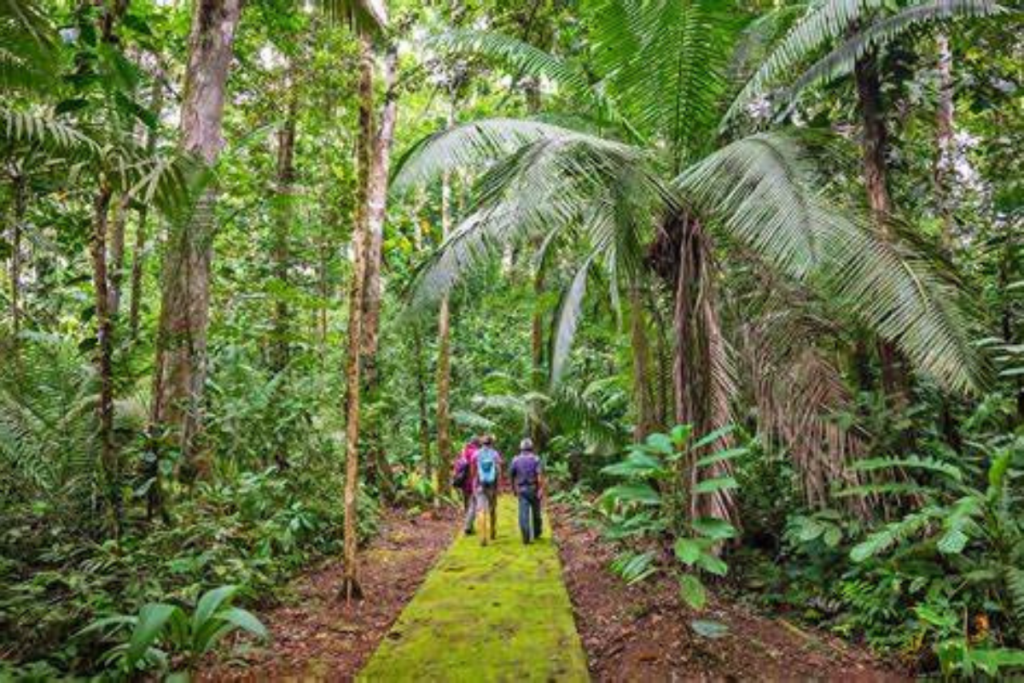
<point>527,476</point>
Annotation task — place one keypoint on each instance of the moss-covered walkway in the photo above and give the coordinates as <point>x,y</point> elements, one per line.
<point>495,613</point>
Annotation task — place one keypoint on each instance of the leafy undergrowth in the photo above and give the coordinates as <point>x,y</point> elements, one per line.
<point>484,612</point>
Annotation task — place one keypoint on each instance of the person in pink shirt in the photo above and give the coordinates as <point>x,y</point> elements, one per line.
<point>464,479</point>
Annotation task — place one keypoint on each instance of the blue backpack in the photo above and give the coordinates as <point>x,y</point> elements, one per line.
<point>487,466</point>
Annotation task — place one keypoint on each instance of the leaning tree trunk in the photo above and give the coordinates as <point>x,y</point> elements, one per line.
<point>180,368</point>
<point>104,357</point>
<point>377,203</point>
<point>874,143</point>
<point>350,587</point>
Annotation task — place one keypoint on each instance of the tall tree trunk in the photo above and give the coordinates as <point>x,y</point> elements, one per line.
<point>701,399</point>
<point>19,186</point>
<point>377,202</point>
<point>284,211</point>
<point>422,403</point>
<point>444,370</point>
<point>874,142</point>
<point>350,587</point>
<point>643,394</point>
<point>156,105</point>
<point>180,367</point>
<point>116,274</point>
<point>104,357</point>
<point>944,141</point>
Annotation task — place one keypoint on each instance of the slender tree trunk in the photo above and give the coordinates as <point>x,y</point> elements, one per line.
<point>642,390</point>
<point>377,202</point>
<point>422,403</point>
<point>116,274</point>
<point>104,360</point>
<point>156,105</point>
<point>20,192</point>
<point>350,588</point>
<point>944,141</point>
<point>444,371</point>
<point>284,211</point>
<point>874,142</point>
<point>180,365</point>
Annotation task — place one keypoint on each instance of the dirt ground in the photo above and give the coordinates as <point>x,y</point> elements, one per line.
<point>316,636</point>
<point>643,633</point>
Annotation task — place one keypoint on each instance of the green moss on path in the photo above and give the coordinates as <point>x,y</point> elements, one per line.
<point>495,613</point>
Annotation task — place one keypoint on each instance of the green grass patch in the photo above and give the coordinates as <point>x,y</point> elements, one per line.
<point>491,613</point>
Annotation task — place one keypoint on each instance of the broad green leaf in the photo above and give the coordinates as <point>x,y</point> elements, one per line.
<point>719,456</point>
<point>712,437</point>
<point>634,493</point>
<point>714,528</point>
<point>152,619</point>
<point>709,629</point>
<point>660,443</point>
<point>712,564</point>
<point>716,484</point>
<point>688,550</point>
<point>692,591</point>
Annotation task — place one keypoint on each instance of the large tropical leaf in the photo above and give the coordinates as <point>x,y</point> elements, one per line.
<point>832,22</point>
<point>762,192</point>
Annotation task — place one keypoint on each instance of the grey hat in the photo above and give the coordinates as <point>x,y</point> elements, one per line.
<point>526,445</point>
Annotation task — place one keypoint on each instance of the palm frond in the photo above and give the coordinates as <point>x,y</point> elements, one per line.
<point>832,21</point>
<point>664,64</point>
<point>558,179</point>
<point>761,191</point>
<point>47,133</point>
<point>840,61</point>
<point>364,16</point>
<point>28,47</point>
<point>567,317</point>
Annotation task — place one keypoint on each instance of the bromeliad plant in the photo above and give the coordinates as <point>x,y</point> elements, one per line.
<point>652,499</point>
<point>160,631</point>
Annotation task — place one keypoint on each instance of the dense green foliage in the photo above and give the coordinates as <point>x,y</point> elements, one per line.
<point>750,273</point>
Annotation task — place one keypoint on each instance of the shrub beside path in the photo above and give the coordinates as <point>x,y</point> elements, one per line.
<point>491,613</point>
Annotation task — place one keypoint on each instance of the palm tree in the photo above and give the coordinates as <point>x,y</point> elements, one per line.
<point>642,184</point>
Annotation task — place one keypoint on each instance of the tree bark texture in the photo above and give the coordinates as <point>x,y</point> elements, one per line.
<point>104,357</point>
<point>180,368</point>
<point>350,588</point>
<point>139,250</point>
<point>377,192</point>
<point>20,202</point>
<point>874,144</point>
<point>284,212</point>
<point>444,351</point>
<point>944,141</point>
<point>643,389</point>
<point>700,385</point>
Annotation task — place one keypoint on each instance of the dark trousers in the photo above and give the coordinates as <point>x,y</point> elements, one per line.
<point>529,514</point>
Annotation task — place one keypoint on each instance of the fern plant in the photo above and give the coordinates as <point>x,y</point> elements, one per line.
<point>969,525</point>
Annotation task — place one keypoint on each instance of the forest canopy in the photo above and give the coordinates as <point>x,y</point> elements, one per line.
<point>749,274</point>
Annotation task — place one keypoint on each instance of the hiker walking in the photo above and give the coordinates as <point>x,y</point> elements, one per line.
<point>526,473</point>
<point>488,474</point>
<point>464,479</point>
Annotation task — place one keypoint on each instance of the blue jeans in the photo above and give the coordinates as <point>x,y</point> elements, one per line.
<point>529,511</point>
